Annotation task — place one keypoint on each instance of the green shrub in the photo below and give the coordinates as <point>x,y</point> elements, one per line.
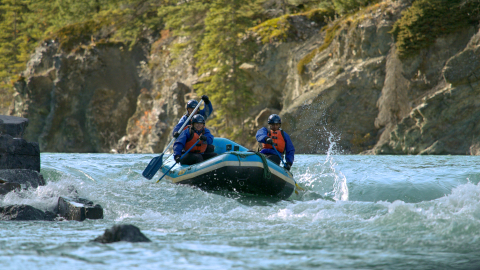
<point>343,7</point>
<point>426,20</point>
<point>280,29</point>
<point>330,34</point>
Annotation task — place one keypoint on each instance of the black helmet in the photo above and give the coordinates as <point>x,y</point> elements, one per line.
<point>274,119</point>
<point>198,118</point>
<point>192,104</point>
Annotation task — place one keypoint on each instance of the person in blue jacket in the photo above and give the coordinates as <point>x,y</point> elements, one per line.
<point>191,104</point>
<point>196,134</point>
<point>276,137</point>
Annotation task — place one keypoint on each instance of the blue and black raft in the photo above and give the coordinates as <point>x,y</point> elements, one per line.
<point>234,169</point>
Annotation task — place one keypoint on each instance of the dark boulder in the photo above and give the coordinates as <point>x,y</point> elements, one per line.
<point>6,187</point>
<point>128,233</point>
<point>27,178</point>
<point>24,212</point>
<point>17,153</point>
<point>12,125</point>
<point>79,209</point>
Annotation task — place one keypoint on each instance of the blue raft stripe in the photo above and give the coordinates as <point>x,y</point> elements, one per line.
<point>185,172</point>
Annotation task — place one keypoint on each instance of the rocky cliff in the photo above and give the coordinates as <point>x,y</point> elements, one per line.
<point>341,81</point>
<point>79,101</point>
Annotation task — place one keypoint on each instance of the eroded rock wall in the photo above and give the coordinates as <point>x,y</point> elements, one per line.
<point>445,121</point>
<point>354,92</point>
<point>79,101</point>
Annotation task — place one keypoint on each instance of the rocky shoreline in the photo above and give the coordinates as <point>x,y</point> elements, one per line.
<point>356,92</point>
<point>20,170</point>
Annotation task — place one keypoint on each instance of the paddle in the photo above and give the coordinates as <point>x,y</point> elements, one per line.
<point>281,158</point>
<point>156,163</point>
<point>180,158</point>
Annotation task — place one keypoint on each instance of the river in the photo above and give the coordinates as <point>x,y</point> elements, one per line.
<point>358,212</point>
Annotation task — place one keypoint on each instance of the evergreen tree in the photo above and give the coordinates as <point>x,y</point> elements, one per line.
<point>219,58</point>
<point>12,13</point>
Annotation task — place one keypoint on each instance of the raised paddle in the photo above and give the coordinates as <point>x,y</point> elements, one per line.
<point>281,158</point>
<point>157,162</point>
<point>180,158</point>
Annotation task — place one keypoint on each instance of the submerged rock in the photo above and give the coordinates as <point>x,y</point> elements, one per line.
<point>128,233</point>
<point>24,212</point>
<point>79,209</point>
<point>6,187</point>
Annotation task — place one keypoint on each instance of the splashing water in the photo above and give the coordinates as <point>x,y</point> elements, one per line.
<point>395,212</point>
<point>323,179</point>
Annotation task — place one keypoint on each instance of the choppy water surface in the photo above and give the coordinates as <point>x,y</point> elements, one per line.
<point>358,212</point>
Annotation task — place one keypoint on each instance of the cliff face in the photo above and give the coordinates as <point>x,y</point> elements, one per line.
<point>351,88</point>
<point>357,92</point>
<point>445,121</point>
<point>81,101</point>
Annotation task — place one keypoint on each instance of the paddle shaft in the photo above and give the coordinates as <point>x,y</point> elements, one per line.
<point>280,156</point>
<point>296,185</point>
<point>180,158</point>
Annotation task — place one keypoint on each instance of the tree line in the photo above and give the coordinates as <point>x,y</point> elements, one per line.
<point>215,29</point>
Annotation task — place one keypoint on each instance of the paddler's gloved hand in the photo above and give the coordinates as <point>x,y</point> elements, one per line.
<point>177,158</point>
<point>203,138</point>
<point>269,141</point>
<point>288,166</point>
<point>205,99</point>
<point>176,134</point>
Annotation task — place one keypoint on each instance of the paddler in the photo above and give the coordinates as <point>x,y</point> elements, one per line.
<point>276,137</point>
<point>197,134</point>
<point>191,104</point>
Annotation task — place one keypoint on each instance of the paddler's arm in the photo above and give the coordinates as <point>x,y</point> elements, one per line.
<point>180,143</point>
<point>179,125</point>
<point>289,149</point>
<point>207,109</point>
<point>261,135</point>
<point>209,136</point>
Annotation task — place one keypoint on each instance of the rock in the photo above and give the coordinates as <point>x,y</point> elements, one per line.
<point>341,86</point>
<point>13,126</point>
<point>17,153</point>
<point>6,187</point>
<point>446,123</point>
<point>151,125</point>
<point>128,233</point>
<point>463,68</point>
<point>24,212</point>
<point>79,209</point>
<point>26,178</point>
<point>79,101</point>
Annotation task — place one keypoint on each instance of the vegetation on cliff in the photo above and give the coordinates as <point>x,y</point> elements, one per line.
<point>426,20</point>
<point>217,30</point>
<point>219,58</point>
<point>25,24</point>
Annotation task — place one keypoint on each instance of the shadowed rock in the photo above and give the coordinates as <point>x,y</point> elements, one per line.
<point>28,178</point>
<point>128,233</point>
<point>17,153</point>
<point>6,187</point>
<point>24,212</point>
<point>13,126</point>
<point>79,209</point>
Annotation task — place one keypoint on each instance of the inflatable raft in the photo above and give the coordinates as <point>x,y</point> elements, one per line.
<point>234,169</point>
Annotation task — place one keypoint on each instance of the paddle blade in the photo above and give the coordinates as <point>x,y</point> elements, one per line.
<point>153,167</point>
<point>299,187</point>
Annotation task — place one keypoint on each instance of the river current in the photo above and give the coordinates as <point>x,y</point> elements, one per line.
<point>357,212</point>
